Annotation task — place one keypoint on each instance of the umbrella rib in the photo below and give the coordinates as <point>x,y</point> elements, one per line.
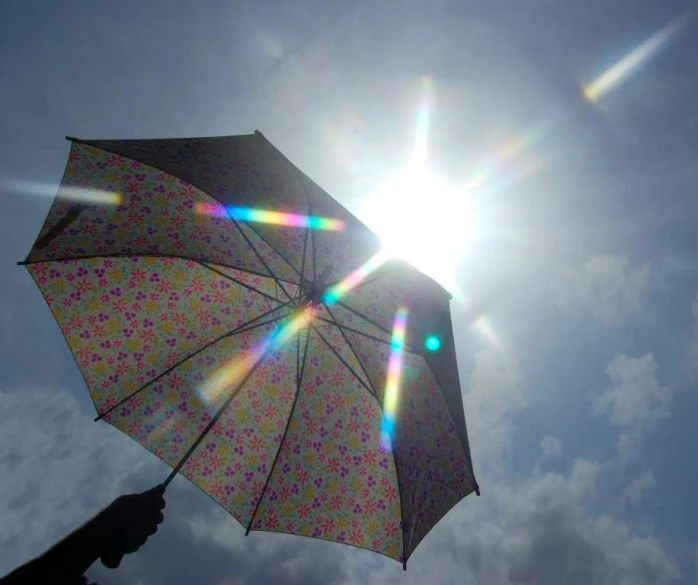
<point>261,237</point>
<point>215,418</point>
<point>240,282</point>
<point>363,333</point>
<point>300,369</point>
<point>363,283</point>
<point>302,188</point>
<point>341,359</point>
<point>279,254</point>
<point>259,256</point>
<point>397,472</point>
<point>312,235</point>
<point>365,318</point>
<point>248,326</point>
<point>305,246</point>
<point>351,347</point>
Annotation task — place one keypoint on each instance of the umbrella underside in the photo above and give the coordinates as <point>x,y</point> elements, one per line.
<point>158,304</point>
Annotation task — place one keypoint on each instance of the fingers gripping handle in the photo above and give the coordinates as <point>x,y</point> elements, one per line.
<point>111,559</point>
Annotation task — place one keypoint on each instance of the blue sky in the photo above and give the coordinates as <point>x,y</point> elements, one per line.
<point>580,382</point>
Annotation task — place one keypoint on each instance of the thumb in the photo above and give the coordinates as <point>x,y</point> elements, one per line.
<point>158,490</point>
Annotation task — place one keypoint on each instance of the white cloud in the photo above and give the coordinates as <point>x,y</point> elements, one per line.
<point>57,467</point>
<point>608,286</point>
<point>628,444</point>
<point>492,396</point>
<point>638,487</point>
<point>635,395</point>
<point>539,532</point>
<point>551,447</point>
<point>675,266</point>
<point>199,542</point>
<point>635,401</point>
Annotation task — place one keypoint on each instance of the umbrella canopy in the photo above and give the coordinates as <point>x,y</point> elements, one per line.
<point>253,357</point>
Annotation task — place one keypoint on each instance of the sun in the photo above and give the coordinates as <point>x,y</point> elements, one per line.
<point>421,217</point>
<point>423,220</point>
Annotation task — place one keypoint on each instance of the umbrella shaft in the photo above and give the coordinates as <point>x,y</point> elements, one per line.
<point>214,420</point>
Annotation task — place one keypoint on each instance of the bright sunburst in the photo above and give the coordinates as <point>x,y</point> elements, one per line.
<point>419,216</point>
<point>422,220</point>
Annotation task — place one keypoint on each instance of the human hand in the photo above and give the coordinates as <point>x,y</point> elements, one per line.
<point>127,523</point>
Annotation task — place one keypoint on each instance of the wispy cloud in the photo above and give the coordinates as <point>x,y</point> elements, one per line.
<point>635,401</point>
<point>57,467</point>
<point>609,287</point>
<point>539,531</point>
<point>638,487</point>
<point>493,396</point>
<point>551,447</point>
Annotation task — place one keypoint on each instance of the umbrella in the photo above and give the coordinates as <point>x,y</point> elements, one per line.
<point>239,323</point>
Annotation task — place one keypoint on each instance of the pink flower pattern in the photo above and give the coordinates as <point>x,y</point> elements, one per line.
<point>157,215</point>
<point>122,335</point>
<point>314,464</point>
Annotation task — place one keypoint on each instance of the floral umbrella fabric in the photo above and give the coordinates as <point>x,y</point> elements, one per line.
<point>156,300</point>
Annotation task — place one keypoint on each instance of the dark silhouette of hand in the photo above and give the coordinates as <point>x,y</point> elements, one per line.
<point>128,522</point>
<point>120,529</point>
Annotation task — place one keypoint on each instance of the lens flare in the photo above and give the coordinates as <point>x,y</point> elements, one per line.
<point>506,165</point>
<point>235,370</point>
<point>419,156</point>
<point>72,193</point>
<point>392,383</point>
<point>432,343</point>
<point>334,293</point>
<point>271,217</point>
<point>232,372</point>
<point>632,61</point>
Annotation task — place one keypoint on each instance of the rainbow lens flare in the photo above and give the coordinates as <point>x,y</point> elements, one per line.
<point>232,372</point>
<point>506,164</point>
<point>392,383</point>
<point>621,70</point>
<point>334,293</point>
<point>271,217</point>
